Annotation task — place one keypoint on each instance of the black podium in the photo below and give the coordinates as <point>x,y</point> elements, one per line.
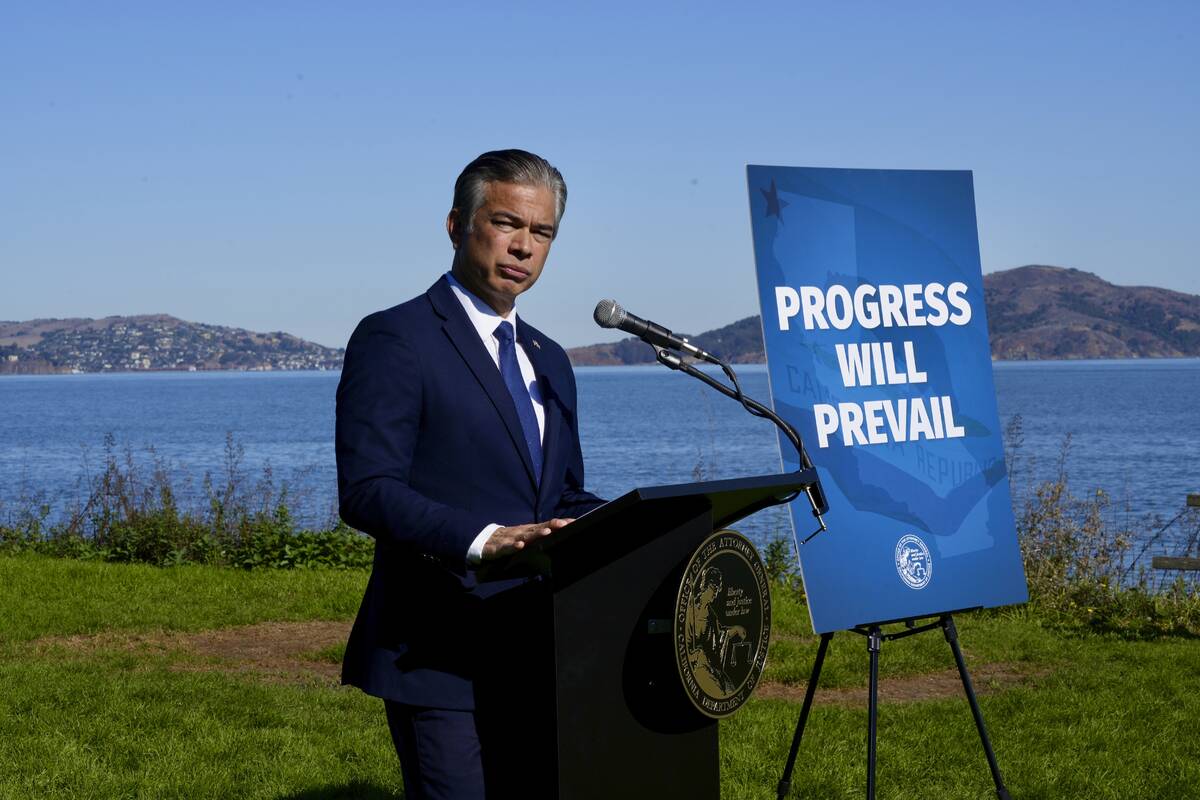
<point>582,693</point>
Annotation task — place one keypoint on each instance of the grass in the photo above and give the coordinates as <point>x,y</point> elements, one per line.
<point>1105,717</point>
<point>1101,715</point>
<point>43,596</point>
<point>1111,728</point>
<point>110,722</point>
<point>122,726</point>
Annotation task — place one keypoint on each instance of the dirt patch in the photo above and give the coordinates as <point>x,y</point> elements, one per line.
<point>286,652</point>
<point>986,678</point>
<point>289,652</point>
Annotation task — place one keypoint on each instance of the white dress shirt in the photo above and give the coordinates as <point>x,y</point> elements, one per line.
<point>485,320</point>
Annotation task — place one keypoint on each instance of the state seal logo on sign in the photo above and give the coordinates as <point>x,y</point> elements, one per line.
<point>913,562</point>
<point>722,623</point>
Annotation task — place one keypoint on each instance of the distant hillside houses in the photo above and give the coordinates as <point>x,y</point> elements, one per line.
<point>152,342</point>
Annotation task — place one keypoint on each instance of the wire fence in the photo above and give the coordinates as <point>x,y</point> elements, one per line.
<point>1177,539</point>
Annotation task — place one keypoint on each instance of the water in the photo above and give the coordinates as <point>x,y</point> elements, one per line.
<point>53,429</point>
<point>1134,426</point>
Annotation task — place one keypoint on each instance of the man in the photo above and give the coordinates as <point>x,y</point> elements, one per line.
<point>457,443</point>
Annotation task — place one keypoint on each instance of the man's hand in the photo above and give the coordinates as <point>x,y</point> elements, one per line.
<point>506,541</point>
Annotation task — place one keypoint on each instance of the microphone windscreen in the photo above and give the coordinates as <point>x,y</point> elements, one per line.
<point>608,314</point>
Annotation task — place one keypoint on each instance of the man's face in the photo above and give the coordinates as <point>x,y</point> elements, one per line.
<point>504,250</point>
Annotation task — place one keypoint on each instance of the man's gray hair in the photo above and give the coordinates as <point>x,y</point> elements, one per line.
<point>507,166</point>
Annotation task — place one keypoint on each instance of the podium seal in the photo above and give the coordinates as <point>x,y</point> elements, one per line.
<point>722,623</point>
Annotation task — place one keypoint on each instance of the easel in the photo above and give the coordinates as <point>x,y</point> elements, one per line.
<point>875,639</point>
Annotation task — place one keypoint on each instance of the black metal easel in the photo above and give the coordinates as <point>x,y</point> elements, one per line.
<point>875,639</point>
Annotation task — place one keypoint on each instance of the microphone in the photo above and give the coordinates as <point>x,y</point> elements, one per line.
<point>609,314</point>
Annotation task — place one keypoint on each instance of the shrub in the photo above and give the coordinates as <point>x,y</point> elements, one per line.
<point>1080,565</point>
<point>129,518</point>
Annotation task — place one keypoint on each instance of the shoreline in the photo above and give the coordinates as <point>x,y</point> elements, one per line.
<point>1003,363</point>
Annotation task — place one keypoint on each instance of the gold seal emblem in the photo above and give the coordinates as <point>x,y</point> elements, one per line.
<point>722,623</point>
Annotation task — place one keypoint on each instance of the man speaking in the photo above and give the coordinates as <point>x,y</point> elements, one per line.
<point>457,443</point>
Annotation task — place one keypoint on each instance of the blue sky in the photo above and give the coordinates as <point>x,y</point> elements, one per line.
<point>288,166</point>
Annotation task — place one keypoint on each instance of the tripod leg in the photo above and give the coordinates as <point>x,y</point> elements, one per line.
<point>874,643</point>
<point>785,783</point>
<point>951,633</point>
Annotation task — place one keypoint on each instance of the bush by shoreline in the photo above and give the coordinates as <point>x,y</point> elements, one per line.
<point>131,515</point>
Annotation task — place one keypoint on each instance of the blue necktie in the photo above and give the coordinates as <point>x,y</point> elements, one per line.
<point>510,370</point>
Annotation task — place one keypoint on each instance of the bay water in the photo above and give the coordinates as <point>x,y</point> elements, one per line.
<point>1133,427</point>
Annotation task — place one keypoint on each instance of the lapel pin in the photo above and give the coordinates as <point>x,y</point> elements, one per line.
<point>537,344</point>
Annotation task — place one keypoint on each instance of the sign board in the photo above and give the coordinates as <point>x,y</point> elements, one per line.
<point>877,348</point>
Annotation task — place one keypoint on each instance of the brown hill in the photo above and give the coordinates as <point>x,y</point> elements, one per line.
<point>1040,312</point>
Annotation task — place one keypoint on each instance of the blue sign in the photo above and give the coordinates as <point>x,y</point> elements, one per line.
<point>877,348</point>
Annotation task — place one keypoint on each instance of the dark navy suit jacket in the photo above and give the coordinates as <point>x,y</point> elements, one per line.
<point>429,451</point>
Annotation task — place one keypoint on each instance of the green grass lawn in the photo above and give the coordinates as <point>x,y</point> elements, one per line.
<point>134,713</point>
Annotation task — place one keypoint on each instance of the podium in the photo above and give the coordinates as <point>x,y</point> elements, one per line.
<point>582,696</point>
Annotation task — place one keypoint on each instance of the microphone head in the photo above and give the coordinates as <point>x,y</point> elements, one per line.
<point>608,314</point>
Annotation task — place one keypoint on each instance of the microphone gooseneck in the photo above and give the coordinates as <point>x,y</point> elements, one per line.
<point>610,314</point>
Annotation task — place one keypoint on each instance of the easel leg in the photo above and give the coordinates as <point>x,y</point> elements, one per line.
<point>951,633</point>
<point>874,643</point>
<point>785,783</point>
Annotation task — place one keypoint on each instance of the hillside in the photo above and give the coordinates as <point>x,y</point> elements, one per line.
<point>151,342</point>
<point>1040,312</point>
<point>1034,312</point>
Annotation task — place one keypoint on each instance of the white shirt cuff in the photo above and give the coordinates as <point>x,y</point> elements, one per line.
<point>475,551</point>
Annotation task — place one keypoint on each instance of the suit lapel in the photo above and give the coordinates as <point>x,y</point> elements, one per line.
<point>463,336</point>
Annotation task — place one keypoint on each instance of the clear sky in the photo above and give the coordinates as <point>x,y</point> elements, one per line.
<point>288,165</point>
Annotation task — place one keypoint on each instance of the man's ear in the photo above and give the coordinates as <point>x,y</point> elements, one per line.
<point>454,227</point>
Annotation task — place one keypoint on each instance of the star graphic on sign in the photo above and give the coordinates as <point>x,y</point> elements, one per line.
<point>775,206</point>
